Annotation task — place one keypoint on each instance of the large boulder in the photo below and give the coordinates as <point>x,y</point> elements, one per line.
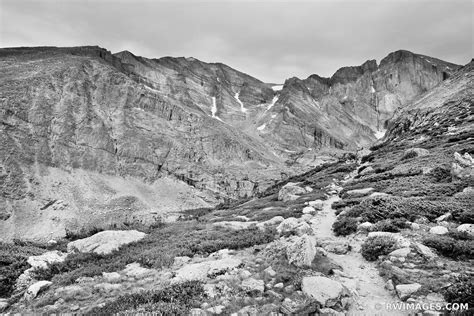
<point>466,228</point>
<point>35,288</point>
<point>439,230</point>
<point>325,291</point>
<point>105,242</point>
<point>294,226</point>
<point>301,251</point>
<point>290,192</point>
<point>273,221</point>
<point>463,167</point>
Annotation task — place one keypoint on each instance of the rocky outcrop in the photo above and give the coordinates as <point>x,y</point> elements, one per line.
<point>105,242</point>
<point>315,112</point>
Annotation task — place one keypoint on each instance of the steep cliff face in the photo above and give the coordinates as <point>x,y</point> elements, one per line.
<point>352,108</point>
<point>445,112</point>
<point>71,110</point>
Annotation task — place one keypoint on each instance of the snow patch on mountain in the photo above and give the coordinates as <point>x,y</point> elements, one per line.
<point>242,108</point>
<point>277,87</point>
<point>262,127</point>
<point>380,133</point>
<point>275,99</point>
<point>214,109</point>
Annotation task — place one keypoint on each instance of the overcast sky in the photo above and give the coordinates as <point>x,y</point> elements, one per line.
<point>271,40</point>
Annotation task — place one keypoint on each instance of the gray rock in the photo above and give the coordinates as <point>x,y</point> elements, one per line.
<point>309,210</point>
<point>316,204</point>
<point>466,228</point>
<point>134,270</point>
<point>402,252</point>
<point>42,261</point>
<point>276,295</point>
<point>273,221</point>
<point>439,230</point>
<point>252,284</point>
<point>444,217</point>
<point>336,246</point>
<point>360,192</point>
<point>105,242</point>
<point>111,277</point>
<point>404,291</point>
<point>269,272</point>
<point>424,251</point>
<point>365,226</point>
<point>288,225</point>
<point>301,251</point>
<point>290,192</point>
<point>206,269</point>
<point>325,291</point>
<point>36,288</point>
<point>216,310</point>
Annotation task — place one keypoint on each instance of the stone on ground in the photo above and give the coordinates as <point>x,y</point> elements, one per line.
<point>466,228</point>
<point>105,242</point>
<point>317,204</point>
<point>42,261</point>
<point>309,210</point>
<point>425,251</point>
<point>439,230</point>
<point>36,288</point>
<point>325,291</point>
<point>301,251</point>
<point>360,192</point>
<point>365,226</point>
<point>402,252</point>
<point>404,291</point>
<point>252,284</point>
<point>290,192</point>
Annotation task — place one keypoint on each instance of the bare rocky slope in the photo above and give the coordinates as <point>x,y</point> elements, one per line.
<point>89,138</point>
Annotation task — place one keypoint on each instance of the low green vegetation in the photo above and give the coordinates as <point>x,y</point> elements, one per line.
<point>451,247</point>
<point>157,250</point>
<point>13,262</point>
<point>176,299</point>
<point>461,291</point>
<point>380,208</point>
<point>344,226</point>
<point>374,247</point>
<point>390,225</point>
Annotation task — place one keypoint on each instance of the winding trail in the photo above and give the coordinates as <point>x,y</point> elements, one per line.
<point>359,276</point>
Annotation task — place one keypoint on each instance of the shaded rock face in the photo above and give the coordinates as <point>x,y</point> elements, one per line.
<point>443,111</point>
<point>352,107</point>
<point>78,126</point>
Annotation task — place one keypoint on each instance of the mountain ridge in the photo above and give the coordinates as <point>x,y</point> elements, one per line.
<point>84,115</point>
